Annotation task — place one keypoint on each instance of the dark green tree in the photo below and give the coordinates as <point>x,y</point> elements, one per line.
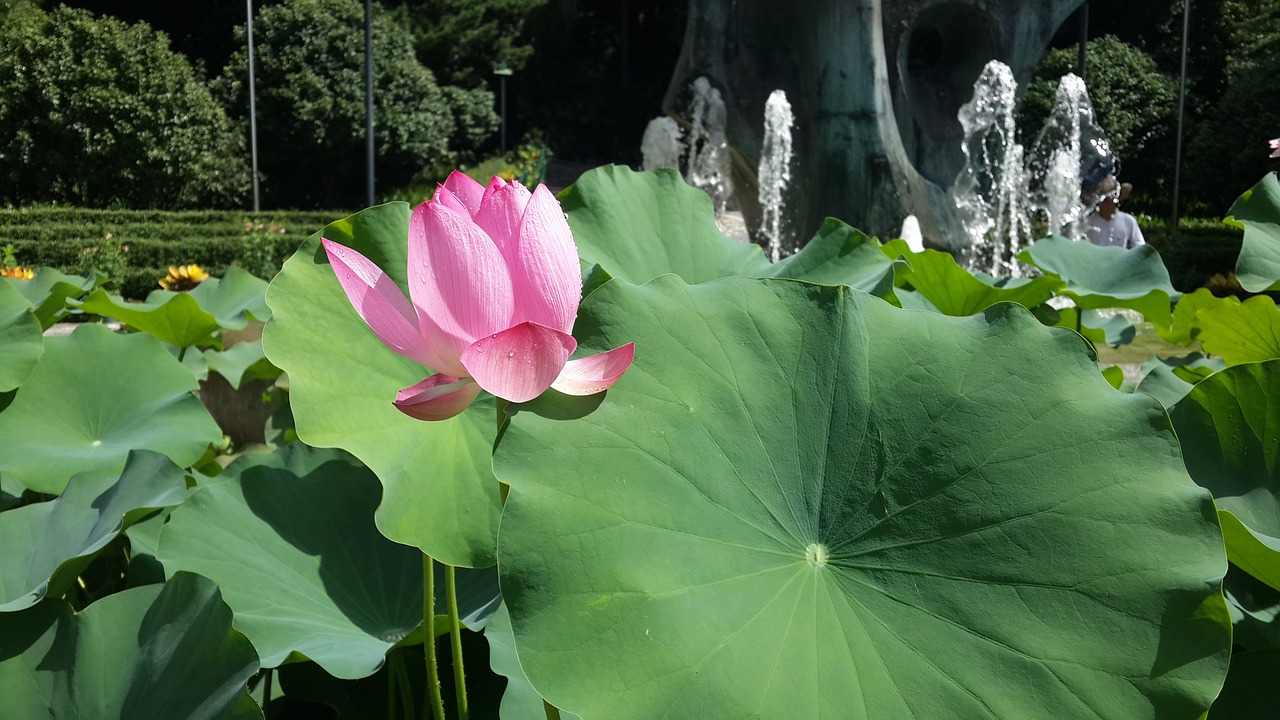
<point>463,40</point>
<point>1133,101</point>
<point>1227,147</point>
<point>97,112</point>
<point>309,57</point>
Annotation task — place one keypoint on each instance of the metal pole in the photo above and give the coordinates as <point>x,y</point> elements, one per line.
<point>368,94</point>
<point>253,110</point>
<point>502,84</point>
<point>1182,103</point>
<point>1084,41</point>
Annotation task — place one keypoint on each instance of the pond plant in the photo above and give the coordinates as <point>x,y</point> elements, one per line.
<point>648,474</point>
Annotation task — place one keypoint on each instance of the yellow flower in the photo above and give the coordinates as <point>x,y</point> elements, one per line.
<point>184,277</point>
<point>17,272</point>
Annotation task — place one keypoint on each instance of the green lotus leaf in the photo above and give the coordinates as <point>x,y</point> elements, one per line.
<point>1229,425</point>
<point>93,397</point>
<point>1250,689</point>
<point>66,532</point>
<point>439,492</point>
<point>638,226</point>
<point>21,338</point>
<point>1258,213</point>
<point>174,317</point>
<point>49,291</point>
<point>1159,381</point>
<point>1186,322</point>
<point>234,299</point>
<point>519,701</point>
<point>952,290</point>
<point>158,651</point>
<point>1255,610</point>
<point>289,538</point>
<point>803,502</point>
<point>241,363</point>
<point>1107,277</point>
<point>1241,332</point>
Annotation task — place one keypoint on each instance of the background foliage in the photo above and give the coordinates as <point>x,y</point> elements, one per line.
<point>98,112</point>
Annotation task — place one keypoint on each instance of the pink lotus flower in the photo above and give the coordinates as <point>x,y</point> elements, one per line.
<point>495,285</point>
<point>1275,147</point>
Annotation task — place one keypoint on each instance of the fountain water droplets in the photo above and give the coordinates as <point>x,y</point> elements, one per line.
<point>999,192</point>
<point>708,166</point>
<point>775,169</point>
<point>662,145</point>
<point>990,191</point>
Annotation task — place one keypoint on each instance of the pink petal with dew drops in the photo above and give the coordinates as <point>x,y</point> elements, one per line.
<point>449,200</point>
<point>439,397</point>
<point>458,281</point>
<point>519,363</point>
<point>545,273</point>
<point>499,216</point>
<point>380,303</point>
<point>465,189</point>
<point>495,184</point>
<point>597,373</point>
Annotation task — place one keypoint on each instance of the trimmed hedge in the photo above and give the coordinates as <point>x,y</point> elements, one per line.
<point>136,247</point>
<point>1196,251</point>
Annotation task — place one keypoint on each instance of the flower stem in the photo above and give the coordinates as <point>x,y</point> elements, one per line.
<point>406,692</point>
<point>429,636</point>
<point>455,639</point>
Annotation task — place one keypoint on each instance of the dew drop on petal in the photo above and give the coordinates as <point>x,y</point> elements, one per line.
<point>511,353</point>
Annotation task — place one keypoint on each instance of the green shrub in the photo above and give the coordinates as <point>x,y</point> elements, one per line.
<point>136,248</point>
<point>98,113</point>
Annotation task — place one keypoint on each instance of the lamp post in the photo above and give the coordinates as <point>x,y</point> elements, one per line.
<point>253,108</point>
<point>1182,102</point>
<point>1084,41</point>
<point>368,96</point>
<point>503,71</point>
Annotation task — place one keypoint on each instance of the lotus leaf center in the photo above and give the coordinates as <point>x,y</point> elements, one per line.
<point>817,554</point>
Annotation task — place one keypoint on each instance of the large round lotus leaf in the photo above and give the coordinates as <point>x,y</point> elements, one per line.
<point>638,226</point>
<point>94,396</point>
<point>1258,212</point>
<point>290,539</point>
<point>21,341</point>
<point>49,543</point>
<point>174,317</point>
<point>1241,332</point>
<point>519,700</point>
<point>439,491</point>
<point>234,299</point>
<point>802,502</point>
<point>157,651</point>
<point>1107,277</point>
<point>1229,425</point>
<point>1250,692</point>
<point>952,290</point>
<point>48,292</point>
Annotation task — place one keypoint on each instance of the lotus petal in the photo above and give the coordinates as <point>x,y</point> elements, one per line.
<point>597,373</point>
<point>458,280</point>
<point>439,397</point>
<point>380,303</point>
<point>465,189</point>
<point>545,275</point>
<point>449,200</point>
<point>499,216</point>
<point>519,363</point>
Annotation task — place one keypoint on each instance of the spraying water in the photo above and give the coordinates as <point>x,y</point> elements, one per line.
<point>999,192</point>
<point>990,191</point>
<point>1071,153</point>
<point>662,144</point>
<point>708,166</point>
<point>775,169</point>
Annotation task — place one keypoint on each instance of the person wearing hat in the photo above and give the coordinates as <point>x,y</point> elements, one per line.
<point>1108,225</point>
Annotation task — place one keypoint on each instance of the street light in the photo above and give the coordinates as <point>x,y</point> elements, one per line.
<point>253,109</point>
<point>503,70</point>
<point>368,95</point>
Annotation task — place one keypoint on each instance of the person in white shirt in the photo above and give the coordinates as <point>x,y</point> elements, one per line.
<point>1108,226</point>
